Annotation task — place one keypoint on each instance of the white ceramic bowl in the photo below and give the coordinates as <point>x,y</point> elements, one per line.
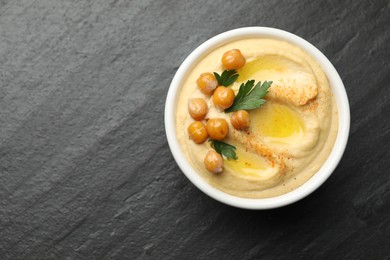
<point>338,90</point>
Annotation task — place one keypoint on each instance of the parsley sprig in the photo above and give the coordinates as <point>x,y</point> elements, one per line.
<point>249,97</point>
<point>227,77</point>
<point>226,150</point>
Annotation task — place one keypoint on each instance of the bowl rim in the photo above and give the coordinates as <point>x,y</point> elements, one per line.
<point>318,178</point>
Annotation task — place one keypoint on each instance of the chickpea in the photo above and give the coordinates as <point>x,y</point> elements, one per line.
<point>233,59</point>
<point>223,97</point>
<point>240,120</point>
<point>217,128</point>
<point>207,83</point>
<point>197,107</point>
<point>197,132</point>
<point>213,162</point>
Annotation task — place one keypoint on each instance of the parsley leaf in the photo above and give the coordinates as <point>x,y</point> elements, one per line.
<point>224,149</point>
<point>226,78</point>
<point>249,97</point>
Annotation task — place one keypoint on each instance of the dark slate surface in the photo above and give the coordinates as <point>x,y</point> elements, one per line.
<point>85,169</point>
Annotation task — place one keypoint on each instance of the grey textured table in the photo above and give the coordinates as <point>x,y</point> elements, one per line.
<point>85,169</point>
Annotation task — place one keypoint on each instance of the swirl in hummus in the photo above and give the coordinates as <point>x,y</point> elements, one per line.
<point>289,138</point>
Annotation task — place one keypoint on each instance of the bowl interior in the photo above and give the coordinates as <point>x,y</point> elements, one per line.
<point>337,88</point>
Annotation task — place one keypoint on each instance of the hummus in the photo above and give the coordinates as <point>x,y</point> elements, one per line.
<point>289,138</point>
